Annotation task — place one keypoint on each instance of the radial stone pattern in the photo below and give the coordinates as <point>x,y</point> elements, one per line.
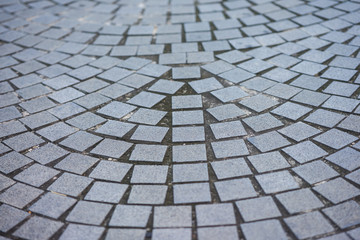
<point>179,119</point>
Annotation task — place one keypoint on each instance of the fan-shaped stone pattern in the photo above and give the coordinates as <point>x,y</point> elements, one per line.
<point>179,119</point>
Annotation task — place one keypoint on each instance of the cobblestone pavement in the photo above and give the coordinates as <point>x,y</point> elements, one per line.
<point>179,119</point>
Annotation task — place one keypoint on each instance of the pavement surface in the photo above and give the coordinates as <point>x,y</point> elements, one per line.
<point>179,119</point>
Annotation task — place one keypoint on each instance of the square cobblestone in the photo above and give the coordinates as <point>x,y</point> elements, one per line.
<point>76,163</point>
<point>315,171</point>
<point>305,151</point>
<point>10,217</point>
<point>191,193</point>
<point>344,215</point>
<point>226,111</point>
<point>235,189</point>
<point>269,141</point>
<point>110,171</point>
<point>335,138</point>
<point>215,214</point>
<point>228,129</point>
<point>262,230</point>
<point>130,216</point>
<point>89,212</point>
<point>149,174</point>
<point>106,192</point>
<point>148,153</point>
<point>277,182</point>
<point>70,184</point>
<point>190,172</point>
<point>147,194</point>
<point>111,148</point>
<point>258,208</point>
<point>268,161</point>
<point>80,141</point>
<point>36,175</point>
<point>346,158</point>
<point>189,153</point>
<point>229,148</point>
<point>19,195</point>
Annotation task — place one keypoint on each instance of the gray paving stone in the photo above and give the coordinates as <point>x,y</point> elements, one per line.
<point>5,182</point>
<point>56,131</point>
<point>115,128</point>
<point>148,153</point>
<point>187,117</point>
<point>37,104</point>
<point>268,141</point>
<point>126,234</point>
<point>305,151</point>
<point>282,91</point>
<point>80,141</point>
<point>262,122</point>
<point>76,163</point>
<point>315,171</point>
<point>70,184</point>
<point>268,161</point>
<point>191,193</point>
<point>130,216</point>
<point>258,84</point>
<point>277,181</point>
<point>38,228</point>
<point>89,212</point>
<point>11,217</point>
<point>226,111</point>
<point>23,141</point>
<point>115,74</point>
<point>205,85</point>
<point>52,205</point>
<point>345,214</point>
<point>299,131</point>
<point>116,109</point>
<point>189,153</point>
<point>335,138</point>
<point>172,216</point>
<point>258,208</point>
<point>146,99</point>
<point>350,123</point>
<point>36,175</point>
<point>341,103</point>
<point>117,173</point>
<point>263,230</point>
<point>111,148</point>
<point>149,174</point>
<point>190,172</point>
<point>218,67</point>
<point>314,222</point>
<point>19,195</point>
<point>154,70</point>
<point>186,101</point>
<point>147,194</point>
<point>229,148</point>
<point>176,234</point>
<point>228,129</point>
<point>92,100</point>
<point>215,214</point>
<point>76,231</point>
<point>259,102</point>
<point>235,189</point>
<point>150,133</point>
<point>188,134</point>
<point>346,158</point>
<point>166,86</point>
<point>337,190</point>
<point>106,192</point>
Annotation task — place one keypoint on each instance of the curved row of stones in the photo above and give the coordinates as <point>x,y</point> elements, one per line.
<point>179,120</point>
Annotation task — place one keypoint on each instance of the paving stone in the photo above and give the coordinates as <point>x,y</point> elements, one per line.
<point>215,214</point>
<point>186,101</point>
<point>187,117</point>
<point>228,129</point>
<point>218,67</point>
<point>154,70</point>
<point>11,217</point>
<point>180,233</point>
<point>52,205</point>
<point>325,118</point>
<point>80,141</point>
<point>115,74</point>
<point>19,195</point>
<point>5,182</point>
<point>89,212</point>
<point>102,171</point>
<point>263,230</point>
<point>345,214</point>
<point>341,103</point>
<point>229,148</point>
<point>116,109</point>
<point>56,131</point>
<point>259,102</point>
<point>345,158</point>
<point>70,184</point>
<point>250,209</point>
<point>188,134</point>
<point>235,189</point>
<point>86,120</point>
<point>149,174</point>
<point>146,99</point>
<point>205,85</point>
<point>148,153</point>
<point>310,98</point>
<point>268,161</point>
<point>115,128</point>
<point>111,148</point>
<point>268,141</point>
<point>262,122</point>
<point>36,175</point>
<point>147,194</point>
<point>190,172</point>
<point>258,84</point>
<point>106,192</point>
<point>226,111</point>
<point>92,100</point>
<point>299,131</point>
<point>38,228</point>
<point>315,172</point>
<point>126,234</point>
<point>335,138</point>
<point>23,141</point>
<point>78,231</point>
<point>130,216</point>
<point>76,163</point>
<point>189,153</point>
<point>37,104</point>
<point>291,110</point>
<point>277,182</point>
<point>166,86</point>
<point>337,190</point>
<point>191,193</point>
<point>305,151</point>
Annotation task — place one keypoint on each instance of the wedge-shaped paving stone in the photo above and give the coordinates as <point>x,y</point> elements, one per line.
<point>299,131</point>
<point>258,208</point>
<point>191,193</point>
<point>190,172</point>
<point>19,195</point>
<point>268,161</point>
<point>52,205</point>
<point>36,175</point>
<point>215,214</point>
<point>188,134</point>
<point>347,158</point>
<point>76,231</point>
<point>116,109</point>
<point>324,118</point>
<point>12,161</point>
<point>345,215</point>
<point>268,141</point>
<point>106,192</point>
<point>337,190</point>
<point>89,212</point>
<point>149,174</point>
<point>259,102</point>
<point>205,85</point>
<point>23,141</point>
<point>235,189</point>
<point>315,171</point>
<point>111,148</point>
<point>229,148</point>
<point>263,122</point>
<point>80,141</point>
<point>130,216</point>
<point>115,128</point>
<point>277,181</point>
<point>229,94</point>
<point>10,217</point>
<point>301,200</point>
<point>264,230</point>
<point>189,153</point>
<point>172,216</point>
<point>111,171</point>
<point>70,184</point>
<point>305,151</point>
<point>76,163</point>
<point>186,101</point>
<point>147,116</point>
<point>314,223</point>
<point>166,86</point>
<point>146,99</point>
<point>147,194</point>
<point>148,153</point>
<point>226,111</point>
<point>228,129</point>
<point>335,138</point>
<point>41,228</point>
